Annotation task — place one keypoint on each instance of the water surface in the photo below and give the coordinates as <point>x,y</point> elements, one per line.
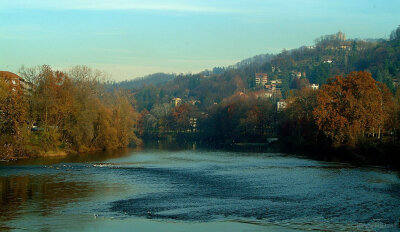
<point>196,190</point>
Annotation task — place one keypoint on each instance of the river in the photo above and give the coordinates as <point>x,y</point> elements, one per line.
<point>161,189</point>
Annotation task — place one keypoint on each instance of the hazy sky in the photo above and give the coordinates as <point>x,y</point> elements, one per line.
<point>131,38</point>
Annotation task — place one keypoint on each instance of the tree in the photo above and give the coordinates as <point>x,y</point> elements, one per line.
<point>395,34</point>
<point>297,128</point>
<point>182,115</point>
<point>13,116</point>
<point>352,107</point>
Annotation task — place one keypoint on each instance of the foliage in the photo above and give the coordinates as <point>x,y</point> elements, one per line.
<point>69,111</point>
<point>332,55</point>
<point>13,115</point>
<point>353,107</point>
<point>297,128</point>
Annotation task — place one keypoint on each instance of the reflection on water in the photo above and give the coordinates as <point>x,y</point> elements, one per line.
<point>153,189</point>
<point>75,158</point>
<point>41,194</point>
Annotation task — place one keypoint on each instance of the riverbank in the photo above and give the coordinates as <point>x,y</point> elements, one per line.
<point>61,153</point>
<point>371,154</point>
<point>366,154</point>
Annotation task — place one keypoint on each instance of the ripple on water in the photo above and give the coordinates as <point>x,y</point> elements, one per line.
<point>195,186</point>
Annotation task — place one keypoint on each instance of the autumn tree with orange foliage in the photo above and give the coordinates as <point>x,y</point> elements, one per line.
<point>353,107</point>
<point>64,112</point>
<point>13,116</point>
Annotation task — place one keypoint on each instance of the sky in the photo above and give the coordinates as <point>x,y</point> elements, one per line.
<point>132,38</point>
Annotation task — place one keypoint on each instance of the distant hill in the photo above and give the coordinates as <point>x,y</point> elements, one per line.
<point>158,79</point>
<point>252,61</point>
<point>331,55</point>
<point>152,79</point>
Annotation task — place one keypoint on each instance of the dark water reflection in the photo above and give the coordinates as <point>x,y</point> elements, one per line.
<point>41,194</point>
<point>181,189</point>
<point>76,158</point>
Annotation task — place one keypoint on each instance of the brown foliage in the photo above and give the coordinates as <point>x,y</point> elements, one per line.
<point>13,115</point>
<point>71,111</point>
<point>352,107</point>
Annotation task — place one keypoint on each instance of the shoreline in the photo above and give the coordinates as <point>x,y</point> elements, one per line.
<point>383,156</point>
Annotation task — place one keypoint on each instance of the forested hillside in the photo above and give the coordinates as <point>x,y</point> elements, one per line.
<point>152,79</point>
<point>292,95</point>
<point>330,56</point>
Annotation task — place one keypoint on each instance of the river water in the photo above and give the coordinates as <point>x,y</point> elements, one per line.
<point>155,189</point>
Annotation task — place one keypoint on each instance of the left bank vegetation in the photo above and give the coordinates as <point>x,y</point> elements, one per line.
<point>57,112</point>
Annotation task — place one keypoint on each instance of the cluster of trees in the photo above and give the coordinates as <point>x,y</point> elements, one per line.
<point>69,111</point>
<point>355,112</point>
<point>238,118</point>
<point>168,120</point>
<point>354,107</point>
<point>350,112</point>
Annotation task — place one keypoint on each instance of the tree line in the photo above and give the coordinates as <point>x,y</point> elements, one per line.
<point>354,116</point>
<point>63,111</point>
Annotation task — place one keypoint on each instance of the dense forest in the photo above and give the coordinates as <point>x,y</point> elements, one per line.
<point>63,112</point>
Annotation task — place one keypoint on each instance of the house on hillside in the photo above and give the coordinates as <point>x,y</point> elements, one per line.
<point>276,82</point>
<point>176,101</point>
<point>296,74</point>
<point>270,87</point>
<point>345,47</point>
<point>261,79</point>
<point>314,86</point>
<point>262,94</point>
<point>396,83</point>
<point>281,105</point>
<point>194,102</point>
<point>193,124</point>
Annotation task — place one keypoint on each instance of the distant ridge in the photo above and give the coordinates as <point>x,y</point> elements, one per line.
<point>152,79</point>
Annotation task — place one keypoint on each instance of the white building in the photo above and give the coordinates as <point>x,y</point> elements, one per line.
<point>314,86</point>
<point>281,105</point>
<point>177,101</point>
